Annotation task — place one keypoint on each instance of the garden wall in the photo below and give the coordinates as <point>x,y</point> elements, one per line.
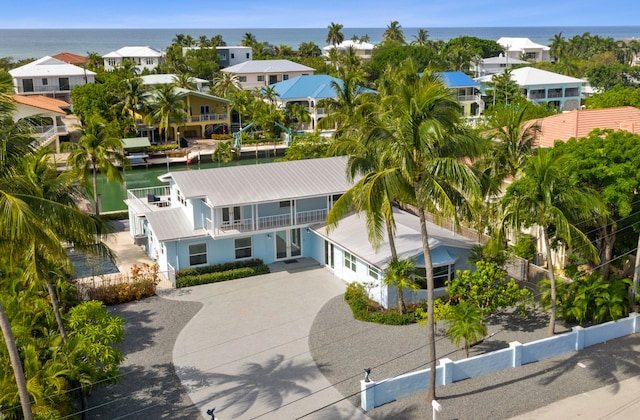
<point>374,394</point>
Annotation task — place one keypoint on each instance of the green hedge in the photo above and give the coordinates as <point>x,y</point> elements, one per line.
<point>162,147</point>
<point>236,273</point>
<point>216,268</point>
<point>365,309</point>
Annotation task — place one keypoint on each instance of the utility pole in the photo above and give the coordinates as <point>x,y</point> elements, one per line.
<point>636,277</point>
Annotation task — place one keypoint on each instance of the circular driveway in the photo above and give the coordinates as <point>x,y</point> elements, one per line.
<point>246,351</point>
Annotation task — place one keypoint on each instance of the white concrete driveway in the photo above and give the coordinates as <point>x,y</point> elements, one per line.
<point>246,352</point>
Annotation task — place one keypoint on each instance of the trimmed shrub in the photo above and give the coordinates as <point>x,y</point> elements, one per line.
<point>214,277</point>
<point>162,147</point>
<point>365,309</point>
<point>216,268</point>
<point>221,136</point>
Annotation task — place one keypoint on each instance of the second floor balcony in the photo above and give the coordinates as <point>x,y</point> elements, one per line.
<point>255,224</point>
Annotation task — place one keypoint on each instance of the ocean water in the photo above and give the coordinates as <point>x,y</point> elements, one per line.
<point>36,43</point>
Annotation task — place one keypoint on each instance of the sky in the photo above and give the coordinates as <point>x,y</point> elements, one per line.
<point>315,13</point>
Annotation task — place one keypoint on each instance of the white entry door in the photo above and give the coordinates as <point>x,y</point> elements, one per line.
<point>288,244</point>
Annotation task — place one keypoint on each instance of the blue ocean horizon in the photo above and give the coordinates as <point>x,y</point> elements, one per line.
<point>35,43</point>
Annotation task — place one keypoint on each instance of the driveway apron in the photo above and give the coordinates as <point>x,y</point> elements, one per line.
<point>246,352</point>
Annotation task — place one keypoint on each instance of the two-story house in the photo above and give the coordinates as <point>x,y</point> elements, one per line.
<point>275,212</point>
<point>50,77</point>
<point>310,91</point>
<point>143,58</point>
<point>495,65</point>
<point>363,50</point>
<point>45,116</point>
<point>204,113</point>
<point>259,73</point>
<point>545,87</point>
<point>524,48</point>
<point>466,91</point>
<point>150,80</point>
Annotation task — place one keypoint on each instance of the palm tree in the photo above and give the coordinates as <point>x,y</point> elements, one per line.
<point>503,88</point>
<point>97,150</point>
<point>248,40</point>
<point>424,140</point>
<point>309,49</point>
<point>217,41</point>
<point>401,274</point>
<point>544,197</point>
<point>225,84</point>
<point>557,47</point>
<point>131,96</point>
<point>514,139</point>
<point>241,101</point>
<point>184,80</point>
<point>467,323</point>
<point>421,38</point>
<point>334,34</point>
<point>394,33</point>
<point>225,152</point>
<point>166,106</point>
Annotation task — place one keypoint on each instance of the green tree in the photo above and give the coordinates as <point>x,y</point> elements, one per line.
<point>307,146</point>
<point>225,152</point>
<point>131,97</point>
<point>165,107</point>
<point>466,323</point>
<point>421,38</point>
<point>394,33</point>
<point>615,97</point>
<point>504,90</point>
<point>97,150</point>
<point>423,137</point>
<point>334,34</point>
<point>557,47</point>
<point>544,198</point>
<point>225,84</point>
<point>401,274</point>
<point>309,49</point>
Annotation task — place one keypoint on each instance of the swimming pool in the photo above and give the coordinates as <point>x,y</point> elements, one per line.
<point>90,265</point>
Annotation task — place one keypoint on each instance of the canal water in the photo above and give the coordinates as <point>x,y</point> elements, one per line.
<point>113,194</point>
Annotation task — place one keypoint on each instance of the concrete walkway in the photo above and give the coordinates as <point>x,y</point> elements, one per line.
<point>246,352</point>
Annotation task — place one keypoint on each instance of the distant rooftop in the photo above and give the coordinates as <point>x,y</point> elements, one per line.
<point>267,66</point>
<point>319,86</point>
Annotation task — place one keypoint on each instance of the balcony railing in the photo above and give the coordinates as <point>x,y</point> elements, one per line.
<point>47,88</point>
<point>268,222</point>
<point>149,199</point>
<point>206,117</point>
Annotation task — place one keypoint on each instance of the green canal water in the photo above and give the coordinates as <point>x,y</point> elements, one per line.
<point>113,194</point>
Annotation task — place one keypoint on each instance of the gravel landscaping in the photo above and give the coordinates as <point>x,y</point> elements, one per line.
<point>342,347</point>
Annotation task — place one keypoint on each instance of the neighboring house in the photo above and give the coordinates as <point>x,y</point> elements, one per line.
<point>275,212</point>
<point>309,91</point>
<point>466,90</point>
<point>45,117</point>
<point>205,113</point>
<point>524,48</point>
<point>363,50</point>
<point>580,123</point>
<point>143,58</point>
<point>348,252</point>
<point>228,55</point>
<point>50,77</point>
<point>259,73</point>
<point>541,86</point>
<point>495,65</point>
<point>201,85</point>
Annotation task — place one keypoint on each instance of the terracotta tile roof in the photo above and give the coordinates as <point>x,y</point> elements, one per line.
<point>580,123</point>
<point>42,102</point>
<point>70,58</point>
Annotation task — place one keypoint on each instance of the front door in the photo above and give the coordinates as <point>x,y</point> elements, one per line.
<point>288,244</point>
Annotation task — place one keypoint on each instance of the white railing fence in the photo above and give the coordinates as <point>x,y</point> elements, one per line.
<point>374,394</point>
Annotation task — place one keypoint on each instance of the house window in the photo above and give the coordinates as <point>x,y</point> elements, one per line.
<point>285,204</point>
<point>261,78</point>
<point>531,55</point>
<point>27,85</point>
<point>197,254</point>
<point>45,82</point>
<point>440,275</point>
<point>247,56</point>
<point>349,261</point>
<point>374,273</point>
<point>537,94</point>
<point>242,79</point>
<point>181,199</point>
<point>150,61</point>
<point>243,248</point>
<point>233,55</point>
<point>222,56</point>
<point>568,92</point>
<point>555,93</point>
<point>64,83</point>
<point>111,62</point>
<point>285,77</point>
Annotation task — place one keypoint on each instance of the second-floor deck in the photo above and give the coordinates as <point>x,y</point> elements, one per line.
<point>233,227</point>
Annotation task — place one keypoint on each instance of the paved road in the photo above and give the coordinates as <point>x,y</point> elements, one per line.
<point>246,351</point>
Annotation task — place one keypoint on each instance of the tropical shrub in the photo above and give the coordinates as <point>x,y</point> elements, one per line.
<point>162,147</point>
<point>466,323</point>
<point>525,247</point>
<point>365,309</point>
<point>589,298</point>
<point>139,284</point>
<point>216,268</point>
<point>236,273</point>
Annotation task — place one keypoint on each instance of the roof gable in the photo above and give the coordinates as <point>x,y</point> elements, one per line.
<point>42,102</point>
<point>134,52</point>
<point>320,86</point>
<point>49,66</point>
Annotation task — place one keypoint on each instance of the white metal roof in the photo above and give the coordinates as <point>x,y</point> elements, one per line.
<point>49,66</point>
<point>520,44</point>
<point>350,234</point>
<point>268,182</point>
<point>267,66</point>
<point>501,59</point>
<point>531,76</point>
<point>134,52</point>
<point>357,45</point>
<point>166,79</point>
<point>172,224</point>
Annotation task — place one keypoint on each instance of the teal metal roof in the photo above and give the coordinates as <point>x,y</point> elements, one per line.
<point>319,86</point>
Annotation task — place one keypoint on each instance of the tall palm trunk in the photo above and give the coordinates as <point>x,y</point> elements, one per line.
<point>16,364</point>
<point>96,196</point>
<point>428,265</point>
<point>609,239</point>
<point>552,281</point>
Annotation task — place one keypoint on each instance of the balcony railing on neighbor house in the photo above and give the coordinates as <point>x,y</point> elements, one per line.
<point>150,199</point>
<point>206,117</point>
<point>45,133</point>
<point>268,222</point>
